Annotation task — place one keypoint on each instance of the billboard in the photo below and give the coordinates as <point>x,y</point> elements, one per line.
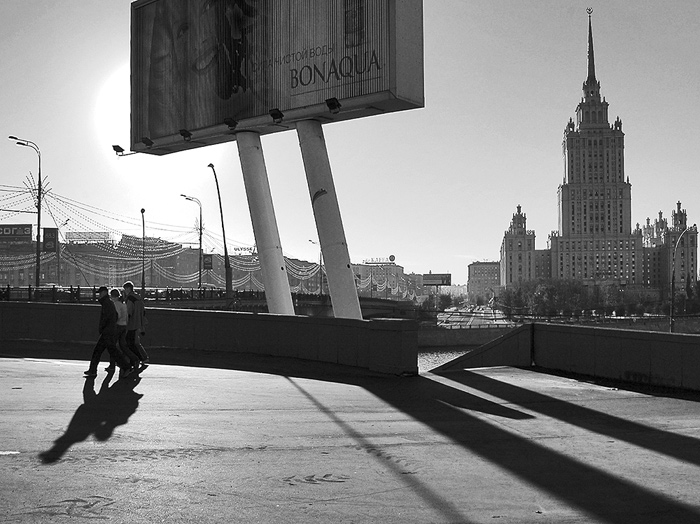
<point>437,279</point>
<point>88,237</point>
<point>16,233</point>
<point>200,71</point>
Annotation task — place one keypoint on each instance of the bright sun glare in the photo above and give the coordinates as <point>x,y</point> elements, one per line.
<point>112,110</point>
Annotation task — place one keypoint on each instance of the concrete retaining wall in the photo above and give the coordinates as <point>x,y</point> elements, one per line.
<point>459,337</point>
<point>660,359</point>
<point>386,346</point>
<point>641,357</point>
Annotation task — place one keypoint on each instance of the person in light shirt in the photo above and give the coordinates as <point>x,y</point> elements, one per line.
<point>122,320</point>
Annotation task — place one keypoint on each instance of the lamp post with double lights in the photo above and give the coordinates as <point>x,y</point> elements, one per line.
<point>29,143</point>
<point>227,261</point>
<point>196,201</point>
<point>671,320</point>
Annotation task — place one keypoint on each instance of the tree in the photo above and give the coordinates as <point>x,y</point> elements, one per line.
<point>444,301</point>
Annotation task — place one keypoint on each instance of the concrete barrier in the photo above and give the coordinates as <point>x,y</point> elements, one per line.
<point>431,338</point>
<point>639,357</point>
<point>511,349</point>
<point>384,345</point>
<point>642,357</point>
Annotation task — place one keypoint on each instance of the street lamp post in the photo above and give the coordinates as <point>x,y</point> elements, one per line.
<point>671,320</point>
<point>143,253</point>
<point>29,143</point>
<point>196,201</point>
<point>58,252</point>
<point>320,266</point>
<point>227,261</point>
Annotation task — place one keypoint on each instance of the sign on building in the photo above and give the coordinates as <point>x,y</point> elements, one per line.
<point>16,233</point>
<point>202,70</point>
<point>88,237</point>
<point>208,261</point>
<point>50,240</point>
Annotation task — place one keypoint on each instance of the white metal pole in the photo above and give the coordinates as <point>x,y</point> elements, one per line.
<point>331,235</point>
<point>262,215</point>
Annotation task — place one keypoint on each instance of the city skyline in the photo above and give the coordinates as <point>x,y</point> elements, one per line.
<point>435,187</point>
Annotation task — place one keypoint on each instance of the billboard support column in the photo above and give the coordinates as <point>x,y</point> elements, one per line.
<point>331,235</point>
<point>262,215</point>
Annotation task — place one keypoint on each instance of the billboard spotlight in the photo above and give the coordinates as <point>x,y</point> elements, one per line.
<point>333,105</point>
<point>276,115</point>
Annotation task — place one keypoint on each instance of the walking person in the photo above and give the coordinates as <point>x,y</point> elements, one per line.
<point>108,332</point>
<point>137,322</point>
<point>122,320</point>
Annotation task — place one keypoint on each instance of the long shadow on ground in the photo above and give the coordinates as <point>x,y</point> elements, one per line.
<point>449,411</point>
<point>99,415</point>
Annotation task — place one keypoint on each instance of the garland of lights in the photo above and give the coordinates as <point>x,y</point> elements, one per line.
<point>123,258</point>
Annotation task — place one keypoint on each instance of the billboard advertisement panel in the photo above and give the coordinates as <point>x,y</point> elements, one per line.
<point>202,70</point>
<point>16,233</point>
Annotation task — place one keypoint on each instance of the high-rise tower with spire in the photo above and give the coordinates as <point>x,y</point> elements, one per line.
<point>595,242</point>
<point>595,238</point>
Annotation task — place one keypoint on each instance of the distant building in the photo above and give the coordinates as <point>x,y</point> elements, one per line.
<point>595,242</point>
<point>383,278</point>
<point>660,242</point>
<point>483,281</point>
<point>517,252</point>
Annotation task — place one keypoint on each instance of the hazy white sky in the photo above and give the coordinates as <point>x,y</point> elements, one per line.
<point>436,187</point>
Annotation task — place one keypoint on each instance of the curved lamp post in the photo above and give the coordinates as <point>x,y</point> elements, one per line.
<point>227,261</point>
<point>671,320</point>
<point>143,253</point>
<point>29,143</point>
<point>196,201</point>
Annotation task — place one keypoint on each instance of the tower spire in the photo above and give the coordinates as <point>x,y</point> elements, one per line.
<point>591,59</point>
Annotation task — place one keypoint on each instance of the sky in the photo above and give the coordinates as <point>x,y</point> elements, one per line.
<point>435,187</point>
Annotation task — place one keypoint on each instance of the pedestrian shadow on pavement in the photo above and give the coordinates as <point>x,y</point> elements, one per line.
<point>99,415</point>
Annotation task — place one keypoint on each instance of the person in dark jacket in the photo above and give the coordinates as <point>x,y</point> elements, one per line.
<point>108,334</point>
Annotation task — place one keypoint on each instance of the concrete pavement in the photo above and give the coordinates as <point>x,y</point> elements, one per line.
<point>258,439</point>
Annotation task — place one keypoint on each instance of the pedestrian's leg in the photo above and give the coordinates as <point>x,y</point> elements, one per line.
<point>118,356</point>
<point>142,350</point>
<point>96,355</point>
<point>124,346</point>
<point>134,345</point>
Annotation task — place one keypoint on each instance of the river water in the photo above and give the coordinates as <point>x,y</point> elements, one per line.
<point>435,357</point>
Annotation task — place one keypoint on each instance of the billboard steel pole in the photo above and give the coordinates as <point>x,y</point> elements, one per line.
<point>329,224</point>
<point>262,215</point>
